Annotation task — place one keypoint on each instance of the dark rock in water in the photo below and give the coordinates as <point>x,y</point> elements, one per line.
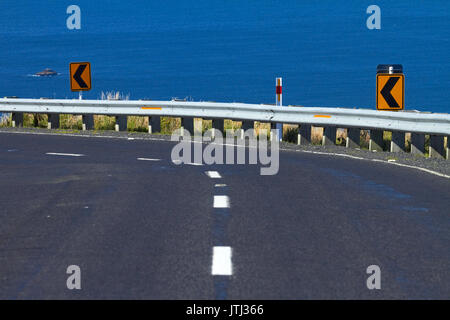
<point>47,73</point>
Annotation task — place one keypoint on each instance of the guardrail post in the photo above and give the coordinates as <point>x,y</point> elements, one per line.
<point>329,136</point>
<point>53,121</point>
<point>154,124</point>
<point>188,125</point>
<point>353,138</point>
<point>304,134</point>
<point>245,126</point>
<point>376,140</point>
<point>121,123</point>
<point>417,143</point>
<point>87,122</point>
<point>397,141</point>
<point>17,119</point>
<point>437,148</point>
<point>218,124</point>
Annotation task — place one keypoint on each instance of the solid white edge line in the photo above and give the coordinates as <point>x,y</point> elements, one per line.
<point>221,261</point>
<point>221,202</point>
<point>373,160</point>
<point>213,174</point>
<point>413,167</point>
<point>65,154</point>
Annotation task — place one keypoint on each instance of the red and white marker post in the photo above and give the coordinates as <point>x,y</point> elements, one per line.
<point>279,91</point>
<point>279,103</point>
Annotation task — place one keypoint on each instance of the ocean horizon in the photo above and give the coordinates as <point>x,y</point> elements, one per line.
<point>229,51</point>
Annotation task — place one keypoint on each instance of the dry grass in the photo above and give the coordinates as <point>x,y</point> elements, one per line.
<point>68,121</point>
<point>316,135</point>
<point>35,120</point>
<point>5,120</point>
<point>341,137</point>
<point>260,126</point>
<point>114,95</point>
<point>232,125</point>
<point>139,124</point>
<point>365,138</point>
<point>290,133</point>
<point>102,122</point>
<point>169,124</point>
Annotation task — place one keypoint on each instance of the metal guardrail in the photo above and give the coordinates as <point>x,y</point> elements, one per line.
<point>417,122</point>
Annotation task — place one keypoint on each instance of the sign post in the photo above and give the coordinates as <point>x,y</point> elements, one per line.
<point>80,80</point>
<point>390,97</point>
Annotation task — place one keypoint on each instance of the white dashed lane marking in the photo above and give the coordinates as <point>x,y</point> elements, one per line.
<point>213,174</point>
<point>148,159</point>
<point>65,154</point>
<point>221,261</point>
<point>220,185</point>
<point>221,202</point>
<point>177,162</point>
<point>193,164</point>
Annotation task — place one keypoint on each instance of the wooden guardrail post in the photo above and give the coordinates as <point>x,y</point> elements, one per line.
<point>304,134</point>
<point>417,143</point>
<point>187,124</point>
<point>154,124</point>
<point>437,148</point>
<point>87,122</point>
<point>17,119</point>
<point>353,138</point>
<point>397,141</point>
<point>218,124</point>
<point>53,121</point>
<point>329,136</point>
<point>376,140</point>
<point>121,123</point>
<point>246,125</point>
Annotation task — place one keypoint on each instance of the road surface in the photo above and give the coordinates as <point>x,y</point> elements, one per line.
<point>141,227</point>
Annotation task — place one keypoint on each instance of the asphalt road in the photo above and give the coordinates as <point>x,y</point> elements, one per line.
<point>147,229</point>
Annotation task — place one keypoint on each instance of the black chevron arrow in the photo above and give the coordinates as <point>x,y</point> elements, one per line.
<point>386,92</point>
<point>79,72</point>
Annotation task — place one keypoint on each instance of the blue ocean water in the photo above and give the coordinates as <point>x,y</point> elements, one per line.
<point>230,50</point>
